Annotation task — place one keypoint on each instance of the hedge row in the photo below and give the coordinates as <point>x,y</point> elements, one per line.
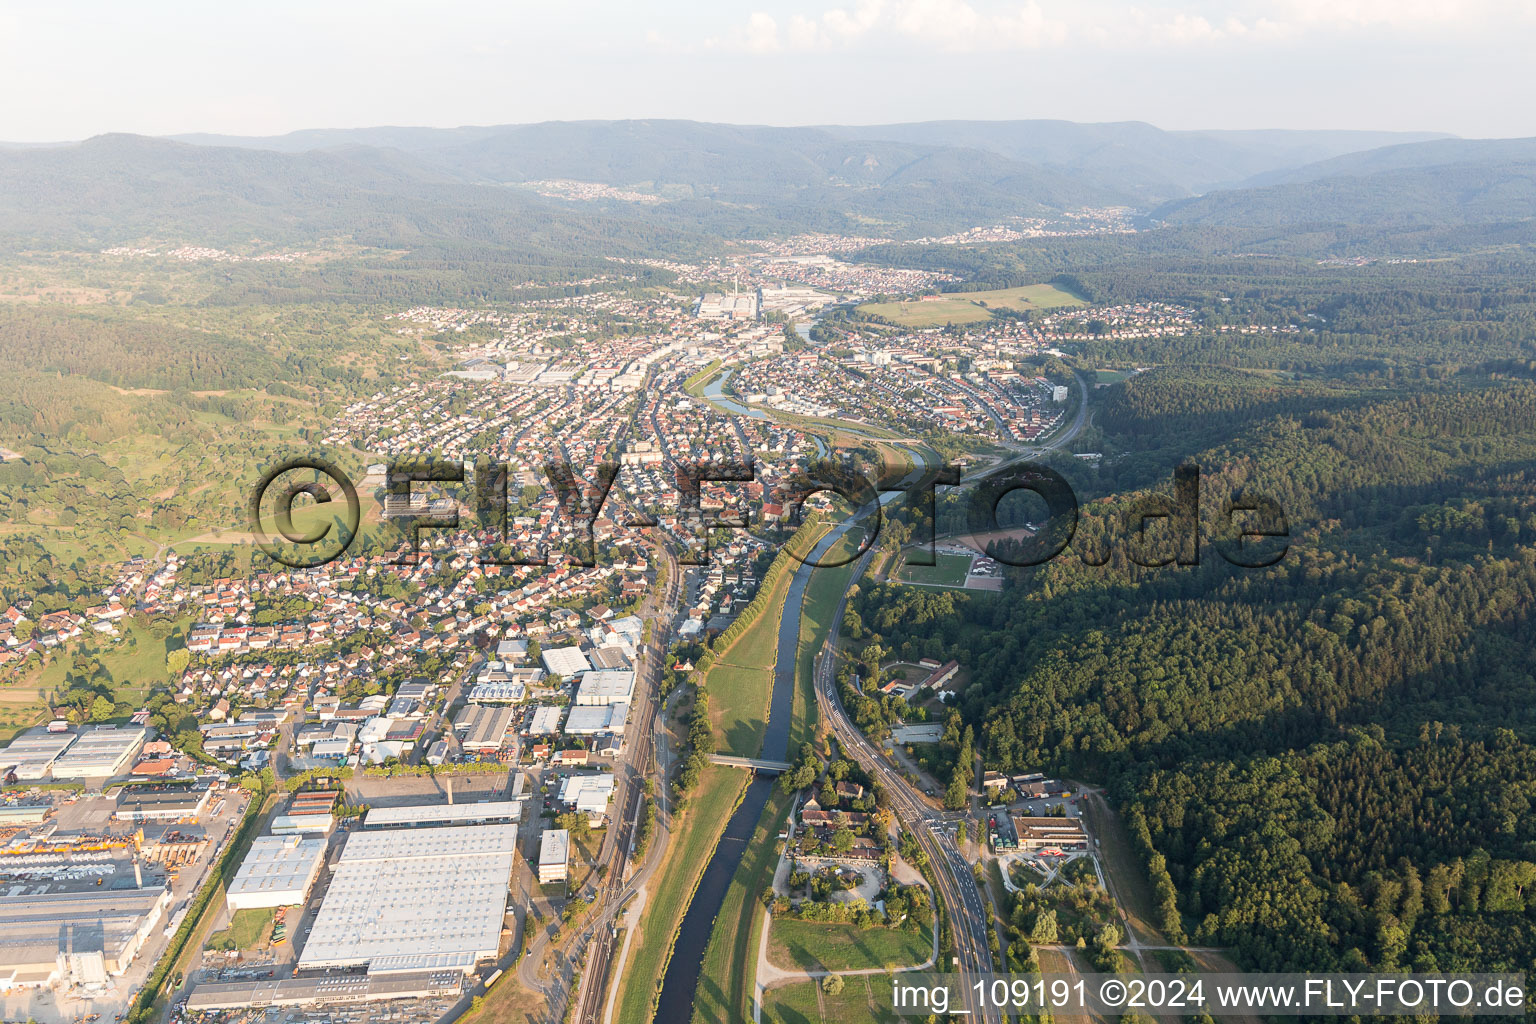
<point>223,872</point>
<point>702,376</point>
<point>782,562</point>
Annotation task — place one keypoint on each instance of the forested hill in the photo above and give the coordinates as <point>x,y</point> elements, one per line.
<point>692,181</point>
<point>1404,156</point>
<point>119,189</point>
<point>673,186</point>
<point>1130,158</point>
<point>1329,763</point>
<point>1496,191</point>
<point>1131,155</point>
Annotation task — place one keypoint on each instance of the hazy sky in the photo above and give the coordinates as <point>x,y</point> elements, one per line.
<point>70,70</point>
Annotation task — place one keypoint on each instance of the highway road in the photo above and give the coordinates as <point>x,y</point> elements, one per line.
<point>968,914</point>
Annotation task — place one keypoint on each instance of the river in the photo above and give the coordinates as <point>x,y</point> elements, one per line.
<point>680,986</point>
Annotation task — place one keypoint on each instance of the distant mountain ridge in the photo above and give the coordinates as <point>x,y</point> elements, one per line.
<point>407,187</point>
<point>1136,160</point>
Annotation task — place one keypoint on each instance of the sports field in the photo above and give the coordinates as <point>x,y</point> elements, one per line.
<point>971,307</point>
<point>951,571</point>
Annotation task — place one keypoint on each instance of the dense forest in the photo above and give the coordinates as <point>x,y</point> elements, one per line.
<point>1331,760</point>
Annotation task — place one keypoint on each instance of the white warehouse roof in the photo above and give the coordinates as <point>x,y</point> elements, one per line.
<point>606,686</point>
<point>415,899</point>
<point>591,720</point>
<point>566,661</point>
<point>545,721</point>
<point>443,814</point>
<point>277,872</point>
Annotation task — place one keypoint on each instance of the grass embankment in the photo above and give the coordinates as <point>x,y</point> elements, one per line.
<point>729,973</point>
<point>247,930</point>
<point>811,946</point>
<point>699,381</point>
<point>826,588</point>
<point>863,999</point>
<point>694,835</point>
<point>740,683</point>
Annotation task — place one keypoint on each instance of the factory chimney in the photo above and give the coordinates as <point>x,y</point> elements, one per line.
<point>450,792</point>
<point>138,874</point>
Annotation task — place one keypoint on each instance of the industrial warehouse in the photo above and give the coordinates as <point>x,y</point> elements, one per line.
<point>277,872</point>
<point>82,936</point>
<point>488,812</point>
<point>415,899</point>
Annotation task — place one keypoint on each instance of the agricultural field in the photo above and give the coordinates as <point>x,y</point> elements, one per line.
<point>21,707</point>
<point>971,307</point>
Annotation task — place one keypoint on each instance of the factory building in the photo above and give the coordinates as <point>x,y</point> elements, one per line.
<point>418,899</point>
<point>588,794</point>
<point>545,721</point>
<point>31,755</point>
<point>82,936</point>
<point>277,872</point>
<point>303,824</point>
<point>483,728</point>
<point>554,855</point>
<point>490,812</point>
<point>101,752</point>
<point>606,686</point>
<point>720,306</point>
<point>565,661</point>
<point>591,720</point>
<point>161,803</point>
<point>324,990</point>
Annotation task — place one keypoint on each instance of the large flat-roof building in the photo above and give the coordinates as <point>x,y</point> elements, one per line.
<point>277,872</point>
<point>588,794</point>
<point>606,686</point>
<point>482,728</point>
<point>324,990</point>
<point>723,306</point>
<point>565,661</point>
<point>80,936</point>
<point>33,753</point>
<point>590,720</point>
<point>419,899</point>
<point>490,812</point>
<point>161,803</point>
<point>1036,833</point>
<point>101,752</point>
<point>323,823</point>
<point>554,855</point>
<point>545,721</point>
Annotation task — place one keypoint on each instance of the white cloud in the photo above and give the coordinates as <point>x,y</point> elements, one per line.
<point>981,25</point>
<point>1398,14</point>
<point>762,34</point>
